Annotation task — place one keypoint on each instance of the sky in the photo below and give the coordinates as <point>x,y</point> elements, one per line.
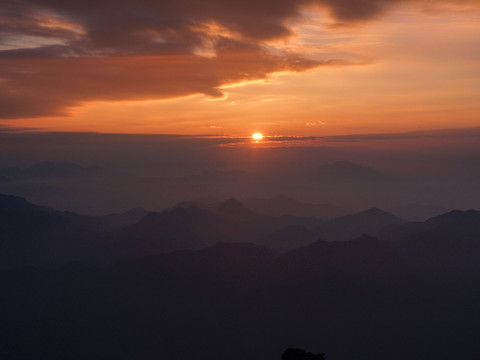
<point>115,172</point>
<point>232,68</point>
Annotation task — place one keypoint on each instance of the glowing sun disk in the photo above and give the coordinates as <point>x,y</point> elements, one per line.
<point>257,136</point>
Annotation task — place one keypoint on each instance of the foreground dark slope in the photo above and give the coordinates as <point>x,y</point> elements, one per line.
<point>359,299</point>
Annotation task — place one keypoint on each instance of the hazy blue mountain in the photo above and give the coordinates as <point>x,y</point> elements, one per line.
<point>233,209</point>
<point>350,226</point>
<point>418,212</point>
<point>283,205</point>
<point>180,228</point>
<point>193,228</point>
<point>38,235</point>
<point>19,218</point>
<point>448,244</point>
<point>338,229</point>
<point>32,234</point>
<point>127,218</point>
<point>456,223</point>
<point>186,204</point>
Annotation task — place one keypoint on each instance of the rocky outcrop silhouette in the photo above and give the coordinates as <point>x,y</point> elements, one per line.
<point>299,354</point>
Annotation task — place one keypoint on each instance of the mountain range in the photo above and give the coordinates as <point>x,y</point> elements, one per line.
<point>40,235</point>
<point>225,282</point>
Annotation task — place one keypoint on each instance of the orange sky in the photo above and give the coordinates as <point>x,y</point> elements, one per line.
<point>408,68</point>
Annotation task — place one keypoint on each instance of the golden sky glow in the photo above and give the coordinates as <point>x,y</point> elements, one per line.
<point>411,68</point>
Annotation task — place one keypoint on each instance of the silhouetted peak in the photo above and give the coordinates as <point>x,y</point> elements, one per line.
<point>375,212</point>
<point>372,214</point>
<point>465,221</point>
<point>316,245</point>
<point>186,204</point>
<point>223,247</point>
<point>185,211</point>
<point>174,214</point>
<point>10,203</point>
<point>365,239</point>
<point>299,354</point>
<point>233,207</point>
<point>418,212</point>
<point>284,205</point>
<point>455,215</point>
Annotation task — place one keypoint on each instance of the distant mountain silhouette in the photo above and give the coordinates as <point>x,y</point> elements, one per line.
<point>177,229</point>
<point>283,205</point>
<point>193,228</point>
<point>448,243</point>
<point>34,234</point>
<point>350,226</point>
<point>186,204</point>
<point>127,218</point>
<point>418,212</point>
<point>39,235</point>
<point>359,258</point>
<point>233,209</point>
<point>456,223</point>
<point>21,218</point>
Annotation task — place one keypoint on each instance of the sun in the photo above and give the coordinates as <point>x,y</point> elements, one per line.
<point>257,136</point>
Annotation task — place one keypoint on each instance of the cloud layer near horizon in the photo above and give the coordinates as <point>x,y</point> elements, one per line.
<point>59,53</point>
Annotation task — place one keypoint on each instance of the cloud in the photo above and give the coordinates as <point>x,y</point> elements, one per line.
<point>125,25</point>
<point>60,53</point>
<point>39,86</point>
